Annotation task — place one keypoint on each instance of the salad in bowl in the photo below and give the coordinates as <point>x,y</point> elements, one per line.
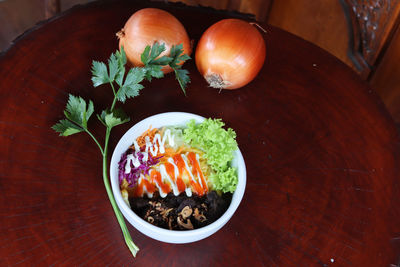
<point>178,177</point>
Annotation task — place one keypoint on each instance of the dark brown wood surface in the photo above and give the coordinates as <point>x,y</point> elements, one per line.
<point>321,151</point>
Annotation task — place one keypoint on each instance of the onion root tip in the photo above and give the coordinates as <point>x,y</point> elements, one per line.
<point>216,81</point>
<point>121,33</point>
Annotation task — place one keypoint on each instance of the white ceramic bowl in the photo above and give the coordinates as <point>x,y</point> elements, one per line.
<point>165,235</point>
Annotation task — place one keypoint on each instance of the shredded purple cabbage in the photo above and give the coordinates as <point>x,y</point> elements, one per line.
<point>134,175</point>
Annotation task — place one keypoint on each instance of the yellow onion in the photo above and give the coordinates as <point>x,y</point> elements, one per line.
<point>148,26</point>
<point>230,54</point>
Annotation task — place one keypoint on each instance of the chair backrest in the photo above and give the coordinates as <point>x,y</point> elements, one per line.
<point>259,9</point>
<point>51,8</point>
<point>372,25</point>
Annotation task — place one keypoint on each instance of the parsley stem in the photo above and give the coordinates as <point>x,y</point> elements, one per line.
<point>112,87</point>
<point>115,96</point>
<point>128,239</point>
<point>115,100</point>
<point>97,142</point>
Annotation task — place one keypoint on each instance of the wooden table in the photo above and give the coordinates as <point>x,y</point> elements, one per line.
<point>321,151</point>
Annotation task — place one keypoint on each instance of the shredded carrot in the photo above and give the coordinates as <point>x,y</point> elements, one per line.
<point>141,140</point>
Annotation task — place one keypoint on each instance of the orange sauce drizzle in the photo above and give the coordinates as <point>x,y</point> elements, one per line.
<point>155,177</point>
<point>177,179</point>
<point>178,160</point>
<point>138,192</point>
<point>197,171</point>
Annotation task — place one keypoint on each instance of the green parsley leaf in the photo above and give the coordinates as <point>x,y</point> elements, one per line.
<point>113,65</point>
<point>176,50</point>
<point>183,78</point>
<point>116,64</point>
<point>150,53</point>
<point>156,50</point>
<point>66,128</point>
<point>120,76</point>
<point>131,86</point>
<point>177,56</point>
<point>129,92</point>
<point>163,61</point>
<point>134,76</point>
<point>116,69</point>
<point>76,110</point>
<point>144,57</point>
<point>121,56</point>
<point>77,116</point>
<point>153,62</point>
<point>114,118</point>
<point>153,71</point>
<point>99,72</point>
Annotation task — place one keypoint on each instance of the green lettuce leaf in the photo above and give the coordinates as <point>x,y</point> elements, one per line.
<point>219,146</point>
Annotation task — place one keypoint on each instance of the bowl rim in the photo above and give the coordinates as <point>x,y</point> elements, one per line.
<point>140,224</point>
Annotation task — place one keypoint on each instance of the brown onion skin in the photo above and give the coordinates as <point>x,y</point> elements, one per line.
<point>232,49</point>
<point>150,25</point>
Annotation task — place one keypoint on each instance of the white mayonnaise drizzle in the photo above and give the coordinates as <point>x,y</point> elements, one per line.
<point>135,161</point>
<point>187,167</point>
<point>166,177</point>
<point>198,174</point>
<point>188,190</point>
<point>161,143</point>
<point>154,148</point>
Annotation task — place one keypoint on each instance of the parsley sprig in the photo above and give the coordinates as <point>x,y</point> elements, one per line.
<point>153,63</point>
<point>78,111</point>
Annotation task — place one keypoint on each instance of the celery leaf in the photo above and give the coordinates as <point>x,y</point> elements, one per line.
<point>113,118</point>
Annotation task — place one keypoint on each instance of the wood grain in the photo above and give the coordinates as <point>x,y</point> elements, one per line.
<point>321,154</point>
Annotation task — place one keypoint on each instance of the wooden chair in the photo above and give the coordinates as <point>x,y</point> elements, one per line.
<point>259,9</point>
<point>51,8</point>
<point>371,24</point>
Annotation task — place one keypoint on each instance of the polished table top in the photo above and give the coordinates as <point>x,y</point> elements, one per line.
<point>321,152</point>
